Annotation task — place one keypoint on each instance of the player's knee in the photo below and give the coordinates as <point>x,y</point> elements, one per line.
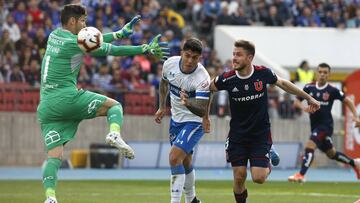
<point>259,179</point>
<point>331,154</point>
<point>174,160</point>
<point>239,177</point>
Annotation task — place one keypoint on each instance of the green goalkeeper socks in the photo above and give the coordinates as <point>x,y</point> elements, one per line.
<point>50,175</point>
<point>115,118</point>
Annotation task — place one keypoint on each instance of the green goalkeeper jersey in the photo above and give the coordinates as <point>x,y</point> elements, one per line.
<point>61,64</point>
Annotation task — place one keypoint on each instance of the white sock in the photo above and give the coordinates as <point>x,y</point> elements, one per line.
<point>176,187</point>
<point>189,186</point>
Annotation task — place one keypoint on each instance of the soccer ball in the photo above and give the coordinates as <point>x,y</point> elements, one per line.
<point>89,39</point>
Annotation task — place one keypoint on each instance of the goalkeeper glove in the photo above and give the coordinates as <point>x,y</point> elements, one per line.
<point>127,30</point>
<point>156,48</point>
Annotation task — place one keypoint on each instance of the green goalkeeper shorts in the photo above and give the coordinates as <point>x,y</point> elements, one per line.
<point>59,117</point>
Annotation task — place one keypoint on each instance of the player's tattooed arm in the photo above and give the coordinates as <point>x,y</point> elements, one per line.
<point>164,87</point>
<point>196,106</point>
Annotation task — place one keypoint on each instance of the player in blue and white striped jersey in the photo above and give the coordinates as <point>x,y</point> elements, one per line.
<point>188,83</point>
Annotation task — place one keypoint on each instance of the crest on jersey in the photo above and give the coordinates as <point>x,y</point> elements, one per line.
<point>258,86</point>
<point>246,87</point>
<point>325,96</point>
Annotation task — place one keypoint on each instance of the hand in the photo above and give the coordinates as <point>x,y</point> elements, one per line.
<point>314,105</point>
<point>156,48</point>
<point>357,122</point>
<point>127,30</point>
<point>206,124</point>
<point>184,97</point>
<point>159,115</point>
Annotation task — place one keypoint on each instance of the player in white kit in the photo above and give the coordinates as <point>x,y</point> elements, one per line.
<point>188,82</point>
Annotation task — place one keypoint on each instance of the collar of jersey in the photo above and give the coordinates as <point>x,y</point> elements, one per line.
<point>321,88</point>
<point>183,71</point>
<point>245,77</point>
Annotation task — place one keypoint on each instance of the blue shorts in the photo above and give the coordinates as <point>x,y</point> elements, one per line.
<point>185,135</point>
<point>238,154</point>
<point>322,139</point>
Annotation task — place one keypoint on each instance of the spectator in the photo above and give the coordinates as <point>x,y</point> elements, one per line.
<point>6,43</point>
<point>1,78</point>
<point>308,18</point>
<point>4,12</point>
<point>304,74</point>
<point>12,27</point>
<point>274,18</point>
<point>240,18</point>
<point>36,14</point>
<point>15,75</point>
<point>20,14</point>
<point>286,107</point>
<point>32,76</point>
<point>84,79</point>
<point>103,78</point>
<point>173,42</point>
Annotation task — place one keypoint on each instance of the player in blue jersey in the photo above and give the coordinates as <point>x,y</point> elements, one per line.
<point>249,138</point>
<point>188,82</point>
<point>322,123</point>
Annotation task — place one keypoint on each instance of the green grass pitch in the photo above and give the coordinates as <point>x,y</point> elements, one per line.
<point>157,192</point>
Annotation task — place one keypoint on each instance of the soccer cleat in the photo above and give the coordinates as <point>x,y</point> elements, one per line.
<point>114,139</point>
<point>195,200</point>
<point>50,200</point>
<point>297,177</point>
<point>274,157</point>
<point>357,167</point>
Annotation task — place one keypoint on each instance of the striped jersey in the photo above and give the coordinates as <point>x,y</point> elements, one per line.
<point>196,84</point>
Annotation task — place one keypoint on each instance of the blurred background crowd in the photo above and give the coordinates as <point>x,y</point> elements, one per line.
<point>26,25</point>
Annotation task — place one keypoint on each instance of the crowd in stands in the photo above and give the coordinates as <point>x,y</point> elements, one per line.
<point>26,25</point>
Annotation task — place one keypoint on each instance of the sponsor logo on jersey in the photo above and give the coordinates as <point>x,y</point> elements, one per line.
<point>249,98</point>
<point>246,87</point>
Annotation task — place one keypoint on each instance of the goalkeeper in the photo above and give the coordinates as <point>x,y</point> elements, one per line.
<point>62,106</point>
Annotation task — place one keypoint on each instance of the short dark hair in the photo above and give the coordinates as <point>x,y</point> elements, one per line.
<point>324,65</point>
<point>246,45</point>
<point>72,10</point>
<point>193,44</point>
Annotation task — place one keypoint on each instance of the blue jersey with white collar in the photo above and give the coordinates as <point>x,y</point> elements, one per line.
<point>196,84</point>
<point>248,104</point>
<point>326,95</point>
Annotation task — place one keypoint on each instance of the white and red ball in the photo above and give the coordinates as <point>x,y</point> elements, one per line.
<point>89,39</point>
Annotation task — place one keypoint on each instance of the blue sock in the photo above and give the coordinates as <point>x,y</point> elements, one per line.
<point>188,170</point>
<point>178,170</point>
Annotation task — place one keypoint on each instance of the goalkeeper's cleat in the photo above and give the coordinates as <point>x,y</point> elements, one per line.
<point>297,177</point>
<point>195,200</point>
<point>274,157</point>
<point>114,139</point>
<point>50,200</point>
<point>357,168</point>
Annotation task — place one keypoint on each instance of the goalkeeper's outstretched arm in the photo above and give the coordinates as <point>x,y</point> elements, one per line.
<point>126,31</point>
<point>160,50</point>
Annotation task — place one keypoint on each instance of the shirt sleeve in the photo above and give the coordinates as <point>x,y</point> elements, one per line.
<point>339,95</point>
<point>203,89</point>
<point>220,82</point>
<point>271,76</point>
<point>164,73</point>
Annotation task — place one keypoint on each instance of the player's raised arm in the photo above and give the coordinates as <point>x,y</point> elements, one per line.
<point>349,103</point>
<point>124,32</point>
<point>289,87</point>
<point>156,48</point>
